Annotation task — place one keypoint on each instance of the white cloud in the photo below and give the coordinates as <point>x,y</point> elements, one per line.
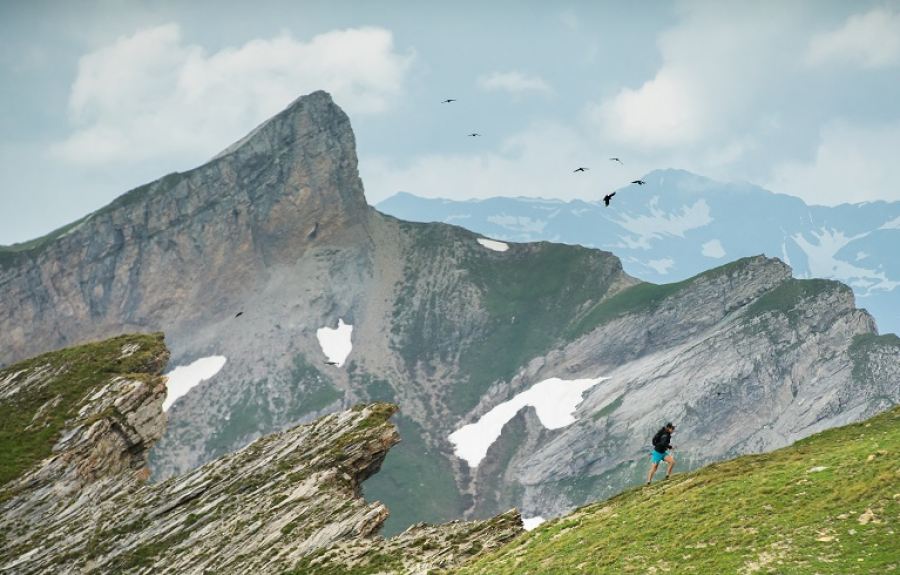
<point>151,94</point>
<point>713,249</point>
<point>823,262</point>
<point>870,40</point>
<point>663,112</point>
<point>515,83</point>
<point>661,266</point>
<point>716,63</point>
<point>852,164</point>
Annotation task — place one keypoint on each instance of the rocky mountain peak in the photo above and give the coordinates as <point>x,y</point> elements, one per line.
<point>311,143</point>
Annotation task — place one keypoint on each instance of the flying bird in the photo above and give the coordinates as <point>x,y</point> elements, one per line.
<point>448,100</point>
<point>238,314</point>
<point>331,363</point>
<point>474,134</point>
<point>616,160</point>
<point>639,182</point>
<point>607,198</point>
<point>580,170</point>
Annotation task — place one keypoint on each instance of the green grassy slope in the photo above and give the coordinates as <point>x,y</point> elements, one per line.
<point>827,504</point>
<point>33,417</point>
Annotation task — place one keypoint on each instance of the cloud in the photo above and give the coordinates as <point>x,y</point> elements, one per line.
<point>713,249</point>
<point>662,113</point>
<point>536,162</point>
<point>852,163</point>
<point>870,40</point>
<point>717,62</point>
<point>515,83</point>
<point>151,94</point>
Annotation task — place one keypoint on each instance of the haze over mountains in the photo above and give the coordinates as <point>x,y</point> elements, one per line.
<point>680,224</point>
<point>253,256</point>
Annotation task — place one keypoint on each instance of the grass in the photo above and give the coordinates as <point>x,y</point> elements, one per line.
<point>256,412</point>
<point>790,293</point>
<point>529,295</point>
<point>827,504</point>
<point>645,297</point>
<point>71,374</point>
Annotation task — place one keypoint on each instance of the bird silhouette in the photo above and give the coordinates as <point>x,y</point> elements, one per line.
<point>238,314</point>
<point>580,170</point>
<point>330,363</point>
<point>607,198</point>
<point>474,134</point>
<point>448,100</point>
<point>616,160</point>
<point>639,182</point>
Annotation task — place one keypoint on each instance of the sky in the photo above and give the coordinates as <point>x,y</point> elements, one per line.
<point>800,97</point>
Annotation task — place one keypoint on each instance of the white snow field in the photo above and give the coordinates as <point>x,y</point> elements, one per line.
<point>554,400</point>
<point>335,343</point>
<point>530,523</point>
<point>493,245</point>
<point>180,380</point>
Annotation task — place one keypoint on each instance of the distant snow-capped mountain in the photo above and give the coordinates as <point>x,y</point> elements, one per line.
<point>680,224</point>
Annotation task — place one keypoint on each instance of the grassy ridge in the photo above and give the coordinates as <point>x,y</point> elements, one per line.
<point>827,504</point>
<point>645,297</point>
<point>69,375</point>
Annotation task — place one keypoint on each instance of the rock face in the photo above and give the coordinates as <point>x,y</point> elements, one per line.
<point>744,357</point>
<point>287,501</point>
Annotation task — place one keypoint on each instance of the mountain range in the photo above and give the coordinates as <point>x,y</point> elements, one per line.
<point>527,375</point>
<point>679,224</point>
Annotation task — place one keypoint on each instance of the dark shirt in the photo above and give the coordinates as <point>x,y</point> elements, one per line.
<point>661,441</point>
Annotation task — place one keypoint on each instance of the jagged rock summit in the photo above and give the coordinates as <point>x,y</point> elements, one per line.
<point>186,247</point>
<point>290,500</point>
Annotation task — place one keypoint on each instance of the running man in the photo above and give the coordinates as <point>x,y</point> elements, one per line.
<point>662,442</point>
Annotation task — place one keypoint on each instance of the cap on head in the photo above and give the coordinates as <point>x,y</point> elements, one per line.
<point>670,425</point>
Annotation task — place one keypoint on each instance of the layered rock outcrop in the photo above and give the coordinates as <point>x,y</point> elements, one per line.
<point>286,501</point>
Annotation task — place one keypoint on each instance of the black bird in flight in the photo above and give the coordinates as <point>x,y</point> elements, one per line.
<point>331,363</point>
<point>616,160</point>
<point>580,170</point>
<point>639,182</point>
<point>607,198</point>
<point>474,134</point>
<point>448,100</point>
<point>239,314</point>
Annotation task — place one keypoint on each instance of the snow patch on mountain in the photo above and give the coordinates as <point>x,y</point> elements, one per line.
<point>493,245</point>
<point>335,343</point>
<point>554,400</point>
<point>892,224</point>
<point>183,378</point>
<point>519,223</point>
<point>713,249</point>
<point>529,523</point>
<point>822,262</point>
<point>456,217</point>
<point>658,223</point>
